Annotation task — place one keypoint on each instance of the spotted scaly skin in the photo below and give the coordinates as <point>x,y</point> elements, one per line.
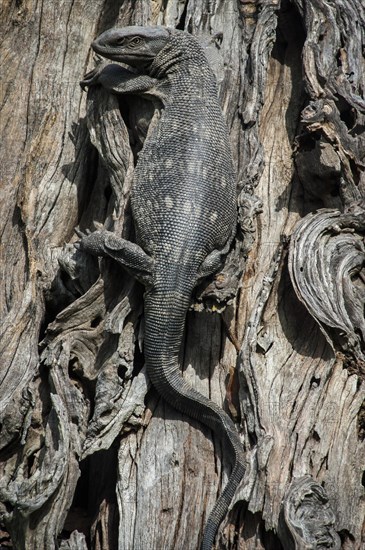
<point>184,209</point>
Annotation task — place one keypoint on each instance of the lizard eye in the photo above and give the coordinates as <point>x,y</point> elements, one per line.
<point>120,41</point>
<point>135,41</point>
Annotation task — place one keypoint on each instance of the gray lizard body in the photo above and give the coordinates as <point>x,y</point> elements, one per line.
<point>183,202</point>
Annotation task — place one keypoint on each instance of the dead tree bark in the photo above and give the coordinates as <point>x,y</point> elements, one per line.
<point>90,456</point>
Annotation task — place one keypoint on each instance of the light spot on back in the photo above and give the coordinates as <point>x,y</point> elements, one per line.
<point>213,217</point>
<point>169,202</point>
<point>187,207</point>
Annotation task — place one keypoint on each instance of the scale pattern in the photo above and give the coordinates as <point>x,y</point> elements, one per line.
<point>184,209</point>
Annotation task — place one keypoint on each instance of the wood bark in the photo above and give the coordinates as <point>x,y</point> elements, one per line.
<point>90,456</point>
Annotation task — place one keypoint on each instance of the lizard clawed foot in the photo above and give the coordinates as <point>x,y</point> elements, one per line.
<point>91,242</point>
<point>92,77</point>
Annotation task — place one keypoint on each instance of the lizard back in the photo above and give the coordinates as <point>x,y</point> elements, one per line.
<point>184,192</point>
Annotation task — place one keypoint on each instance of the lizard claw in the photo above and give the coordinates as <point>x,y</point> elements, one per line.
<point>87,232</point>
<point>79,233</point>
<point>90,78</point>
<point>82,235</point>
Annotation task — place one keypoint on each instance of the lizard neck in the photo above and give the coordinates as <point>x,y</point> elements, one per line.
<point>182,55</point>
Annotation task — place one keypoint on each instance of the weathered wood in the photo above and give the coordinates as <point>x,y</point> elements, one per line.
<point>90,457</point>
<point>308,520</point>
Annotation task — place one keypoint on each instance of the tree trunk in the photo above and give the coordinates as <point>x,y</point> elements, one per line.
<point>91,456</point>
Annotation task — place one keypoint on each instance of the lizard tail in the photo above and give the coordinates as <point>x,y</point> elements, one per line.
<point>163,337</point>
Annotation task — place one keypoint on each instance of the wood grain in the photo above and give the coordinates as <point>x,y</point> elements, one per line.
<point>90,457</point>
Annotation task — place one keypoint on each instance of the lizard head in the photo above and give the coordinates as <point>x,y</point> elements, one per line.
<point>135,46</point>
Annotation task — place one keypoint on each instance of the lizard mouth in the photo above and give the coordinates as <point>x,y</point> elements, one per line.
<point>125,57</point>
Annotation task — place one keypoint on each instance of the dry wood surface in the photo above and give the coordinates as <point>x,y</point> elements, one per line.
<point>90,456</point>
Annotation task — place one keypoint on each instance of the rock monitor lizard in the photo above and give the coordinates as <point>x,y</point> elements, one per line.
<point>183,201</point>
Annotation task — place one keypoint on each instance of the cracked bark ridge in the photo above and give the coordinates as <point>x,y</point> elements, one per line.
<point>119,396</point>
<point>335,80</point>
<point>109,135</point>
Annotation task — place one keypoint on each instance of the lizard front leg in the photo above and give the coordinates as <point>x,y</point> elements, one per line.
<point>129,255</point>
<point>119,80</point>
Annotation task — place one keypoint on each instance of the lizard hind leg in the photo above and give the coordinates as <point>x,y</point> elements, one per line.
<point>212,263</point>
